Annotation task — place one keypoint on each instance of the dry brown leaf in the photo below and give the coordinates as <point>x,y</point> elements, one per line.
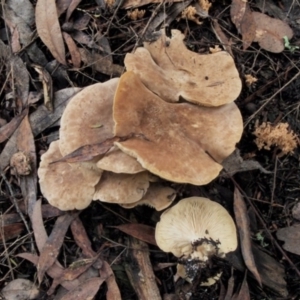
<point>242,18</point>
<point>243,293</point>
<point>291,237</point>
<point>62,6</point>
<point>25,143</point>
<point>10,231</point>
<point>113,292</point>
<point>20,15</point>
<point>41,119</point>
<point>19,289</point>
<point>82,240</point>
<point>16,73</point>
<point>7,130</point>
<point>270,32</point>
<point>243,225</point>
<point>86,290</point>
<point>74,52</point>
<point>221,37</point>
<point>39,231</point>
<point>54,242</point>
<point>48,29</point>
<point>142,232</point>
<point>88,152</point>
<point>71,8</point>
<point>76,269</point>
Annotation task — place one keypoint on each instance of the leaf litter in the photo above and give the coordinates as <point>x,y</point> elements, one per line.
<point>28,134</point>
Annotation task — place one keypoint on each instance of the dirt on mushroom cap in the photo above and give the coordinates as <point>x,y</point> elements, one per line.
<point>183,142</point>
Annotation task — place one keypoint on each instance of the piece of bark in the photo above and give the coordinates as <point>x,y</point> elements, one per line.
<point>141,276</point>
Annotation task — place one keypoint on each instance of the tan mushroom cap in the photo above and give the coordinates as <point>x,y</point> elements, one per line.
<point>158,197</point>
<point>121,188</point>
<point>172,71</point>
<point>87,119</point>
<point>64,186</point>
<point>117,161</point>
<point>180,139</point>
<point>196,228</point>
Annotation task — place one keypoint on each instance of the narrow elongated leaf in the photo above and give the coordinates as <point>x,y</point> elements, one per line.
<point>243,225</point>
<point>48,28</point>
<point>142,232</point>
<point>52,247</point>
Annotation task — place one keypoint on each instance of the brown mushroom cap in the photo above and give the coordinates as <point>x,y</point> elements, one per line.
<point>117,161</point>
<point>65,186</point>
<point>172,71</point>
<point>196,228</point>
<point>87,119</point>
<point>158,197</point>
<point>121,188</point>
<point>182,141</point>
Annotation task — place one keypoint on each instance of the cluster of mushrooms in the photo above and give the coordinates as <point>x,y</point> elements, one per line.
<point>177,108</point>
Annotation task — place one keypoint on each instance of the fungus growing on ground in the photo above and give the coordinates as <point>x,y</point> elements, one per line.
<point>183,142</point>
<point>158,196</point>
<point>121,188</point>
<point>63,185</point>
<point>172,72</point>
<point>117,161</point>
<point>196,228</point>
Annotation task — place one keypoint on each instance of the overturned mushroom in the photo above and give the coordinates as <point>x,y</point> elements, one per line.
<point>172,72</point>
<point>196,228</point>
<point>183,142</point>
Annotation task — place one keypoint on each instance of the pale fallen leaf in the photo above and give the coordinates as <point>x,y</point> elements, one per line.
<point>291,237</point>
<point>16,72</point>
<point>243,226</point>
<point>71,8</point>
<point>7,130</point>
<point>10,231</point>
<point>25,143</point>
<point>54,242</point>
<point>39,121</point>
<point>242,18</point>
<point>270,32</point>
<point>20,289</point>
<point>20,15</point>
<point>113,291</point>
<point>48,29</point>
<point>86,290</point>
<point>74,52</point>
